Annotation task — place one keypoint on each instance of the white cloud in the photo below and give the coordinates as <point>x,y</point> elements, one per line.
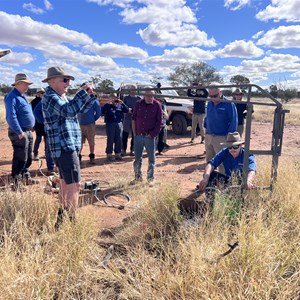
<point>257,35</point>
<point>177,56</point>
<point>282,37</point>
<point>23,31</point>
<point>170,22</point>
<point>17,58</point>
<point>181,35</point>
<point>236,4</point>
<point>240,49</point>
<point>120,3</point>
<point>257,70</point>
<point>288,10</point>
<point>48,5</point>
<point>117,50</point>
<point>33,8</point>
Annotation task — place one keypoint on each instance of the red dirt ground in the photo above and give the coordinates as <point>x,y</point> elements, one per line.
<point>182,163</point>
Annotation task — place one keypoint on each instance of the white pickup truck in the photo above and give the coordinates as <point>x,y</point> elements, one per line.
<point>179,110</point>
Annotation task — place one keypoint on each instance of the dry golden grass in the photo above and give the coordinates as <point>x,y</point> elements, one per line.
<point>157,254</point>
<point>266,113</point>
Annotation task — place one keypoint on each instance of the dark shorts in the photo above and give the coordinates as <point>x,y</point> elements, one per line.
<point>69,167</point>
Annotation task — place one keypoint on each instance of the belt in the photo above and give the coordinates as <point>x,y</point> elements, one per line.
<point>142,134</point>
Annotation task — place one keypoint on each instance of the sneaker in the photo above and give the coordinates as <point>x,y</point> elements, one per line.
<point>132,153</point>
<point>36,157</point>
<point>159,153</point>
<point>151,182</point>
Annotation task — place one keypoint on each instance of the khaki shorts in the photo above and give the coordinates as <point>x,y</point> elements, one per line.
<point>88,133</point>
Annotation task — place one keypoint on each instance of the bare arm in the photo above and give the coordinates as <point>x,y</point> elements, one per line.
<point>250,180</point>
<point>203,183</point>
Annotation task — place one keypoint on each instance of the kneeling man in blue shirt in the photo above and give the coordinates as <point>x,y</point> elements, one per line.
<point>232,157</point>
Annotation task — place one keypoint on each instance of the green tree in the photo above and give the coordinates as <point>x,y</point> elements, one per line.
<point>287,95</point>
<point>106,85</point>
<point>186,74</point>
<point>273,90</point>
<point>239,79</point>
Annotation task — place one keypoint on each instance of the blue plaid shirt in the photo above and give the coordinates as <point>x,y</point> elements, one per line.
<point>60,119</point>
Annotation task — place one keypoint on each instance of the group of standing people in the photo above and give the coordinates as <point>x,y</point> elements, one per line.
<point>65,123</point>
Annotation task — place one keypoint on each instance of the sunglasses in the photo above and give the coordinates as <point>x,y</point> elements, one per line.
<point>234,147</point>
<point>214,96</point>
<point>66,80</point>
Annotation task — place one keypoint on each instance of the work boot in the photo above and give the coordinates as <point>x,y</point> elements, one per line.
<point>31,181</point>
<point>109,157</point>
<point>202,140</point>
<point>18,186</point>
<point>118,156</point>
<point>92,158</point>
<point>60,218</point>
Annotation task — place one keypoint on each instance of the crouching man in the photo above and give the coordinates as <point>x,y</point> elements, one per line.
<point>232,157</point>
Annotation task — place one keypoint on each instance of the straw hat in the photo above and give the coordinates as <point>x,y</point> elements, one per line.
<point>232,139</point>
<point>57,72</point>
<point>21,77</point>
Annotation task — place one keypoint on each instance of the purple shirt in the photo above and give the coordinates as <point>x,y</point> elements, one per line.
<point>147,117</point>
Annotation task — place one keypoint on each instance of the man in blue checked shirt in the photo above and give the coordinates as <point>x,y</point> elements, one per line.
<point>64,135</point>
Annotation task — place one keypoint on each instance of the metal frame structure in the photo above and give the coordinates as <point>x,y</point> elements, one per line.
<point>278,121</point>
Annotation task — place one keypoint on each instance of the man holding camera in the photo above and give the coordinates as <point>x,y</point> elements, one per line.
<point>198,110</point>
<point>113,117</point>
<point>64,135</point>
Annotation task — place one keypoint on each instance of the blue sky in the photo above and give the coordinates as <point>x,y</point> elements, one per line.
<point>132,41</point>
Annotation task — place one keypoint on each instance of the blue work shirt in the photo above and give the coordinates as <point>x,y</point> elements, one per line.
<point>18,112</point>
<point>231,164</point>
<point>91,116</point>
<point>221,118</point>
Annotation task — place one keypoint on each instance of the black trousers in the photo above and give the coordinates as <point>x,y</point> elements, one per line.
<point>125,136</point>
<point>22,153</point>
<point>160,141</point>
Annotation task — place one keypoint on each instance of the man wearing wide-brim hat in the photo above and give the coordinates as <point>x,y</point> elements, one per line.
<point>20,121</point>
<point>232,157</point>
<point>64,136</point>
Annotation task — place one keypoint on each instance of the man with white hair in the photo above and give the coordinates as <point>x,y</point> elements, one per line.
<point>64,136</point>
<point>20,121</point>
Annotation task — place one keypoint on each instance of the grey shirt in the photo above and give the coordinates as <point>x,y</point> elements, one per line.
<point>130,102</point>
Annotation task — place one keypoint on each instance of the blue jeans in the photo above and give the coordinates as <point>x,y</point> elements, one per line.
<point>139,143</point>
<point>114,137</point>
